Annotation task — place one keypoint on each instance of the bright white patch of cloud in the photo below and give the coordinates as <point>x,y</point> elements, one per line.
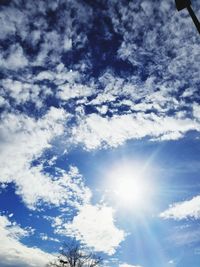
<point>24,139</point>
<point>67,91</point>
<point>45,75</point>
<point>13,252</point>
<point>128,265</point>
<point>95,131</point>
<point>67,45</point>
<point>95,227</point>
<point>102,109</point>
<point>183,210</point>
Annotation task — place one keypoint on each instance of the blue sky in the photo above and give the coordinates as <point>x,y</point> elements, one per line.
<point>99,133</point>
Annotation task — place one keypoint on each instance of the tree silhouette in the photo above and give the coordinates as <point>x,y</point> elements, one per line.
<point>72,255</point>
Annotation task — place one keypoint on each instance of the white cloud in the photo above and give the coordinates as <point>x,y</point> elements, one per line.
<point>154,93</point>
<point>68,83</point>
<point>3,102</point>
<point>11,20</point>
<point>15,60</point>
<point>48,43</point>
<point>128,265</point>
<point>61,75</point>
<point>13,252</point>
<point>95,131</point>
<point>196,111</point>
<point>183,210</point>
<point>22,92</point>
<point>45,237</point>
<point>161,72</point>
<point>102,109</point>
<point>45,75</point>
<point>67,44</point>
<point>95,227</point>
<point>24,139</point>
<point>164,29</point>
<point>67,91</point>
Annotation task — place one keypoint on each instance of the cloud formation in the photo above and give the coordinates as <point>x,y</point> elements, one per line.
<point>155,90</point>
<point>23,140</point>
<point>128,265</point>
<point>183,210</point>
<point>95,227</point>
<point>13,252</point>
<point>96,131</point>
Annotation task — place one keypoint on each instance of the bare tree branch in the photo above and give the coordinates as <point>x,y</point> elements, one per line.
<point>72,255</point>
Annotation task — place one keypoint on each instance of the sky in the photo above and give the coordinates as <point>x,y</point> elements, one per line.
<point>99,132</point>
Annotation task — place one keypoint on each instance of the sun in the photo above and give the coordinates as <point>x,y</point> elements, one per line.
<point>129,189</point>
<point>130,184</point>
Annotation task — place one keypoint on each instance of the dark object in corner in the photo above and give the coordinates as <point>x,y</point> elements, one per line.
<point>181,4</point>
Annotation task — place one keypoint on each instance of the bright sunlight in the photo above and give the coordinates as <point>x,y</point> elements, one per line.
<point>130,184</point>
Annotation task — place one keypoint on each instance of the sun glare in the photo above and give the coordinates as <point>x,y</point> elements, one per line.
<point>130,184</point>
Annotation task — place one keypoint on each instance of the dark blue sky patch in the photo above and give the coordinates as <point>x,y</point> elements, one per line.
<point>9,200</point>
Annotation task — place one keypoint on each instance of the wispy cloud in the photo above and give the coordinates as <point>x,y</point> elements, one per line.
<point>183,210</point>
<point>184,235</point>
<point>45,237</point>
